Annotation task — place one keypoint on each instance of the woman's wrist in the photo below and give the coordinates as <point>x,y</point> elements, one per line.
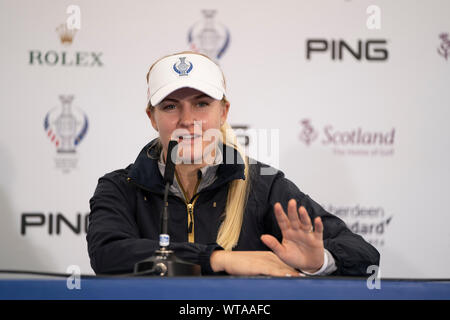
<point>217,260</point>
<point>318,271</point>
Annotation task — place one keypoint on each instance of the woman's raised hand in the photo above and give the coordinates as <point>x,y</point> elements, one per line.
<point>302,245</point>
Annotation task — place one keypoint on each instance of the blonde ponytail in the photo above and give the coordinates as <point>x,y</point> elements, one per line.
<point>238,191</point>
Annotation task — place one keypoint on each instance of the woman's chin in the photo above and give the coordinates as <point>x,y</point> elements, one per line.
<point>190,160</point>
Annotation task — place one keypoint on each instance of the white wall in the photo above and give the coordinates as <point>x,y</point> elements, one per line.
<point>394,194</point>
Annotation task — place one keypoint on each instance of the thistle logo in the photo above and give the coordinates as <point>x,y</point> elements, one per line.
<point>182,68</point>
<point>444,49</point>
<point>208,36</point>
<point>66,126</point>
<point>308,134</point>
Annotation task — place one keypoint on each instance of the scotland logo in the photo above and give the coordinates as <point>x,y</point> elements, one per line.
<point>66,127</point>
<point>209,37</point>
<point>182,68</point>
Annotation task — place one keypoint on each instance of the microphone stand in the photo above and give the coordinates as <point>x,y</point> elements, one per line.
<point>164,262</point>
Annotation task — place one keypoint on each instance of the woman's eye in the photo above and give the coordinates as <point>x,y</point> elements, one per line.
<point>168,107</point>
<point>202,104</point>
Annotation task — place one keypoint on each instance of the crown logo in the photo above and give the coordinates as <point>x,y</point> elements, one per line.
<point>66,35</point>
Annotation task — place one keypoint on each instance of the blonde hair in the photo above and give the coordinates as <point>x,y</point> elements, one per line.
<point>238,190</point>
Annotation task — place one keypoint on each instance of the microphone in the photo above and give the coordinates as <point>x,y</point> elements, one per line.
<point>164,262</point>
<point>169,172</point>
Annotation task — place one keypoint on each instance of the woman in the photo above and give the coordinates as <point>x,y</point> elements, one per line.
<point>225,213</point>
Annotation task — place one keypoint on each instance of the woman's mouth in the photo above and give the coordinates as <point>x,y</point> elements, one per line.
<point>188,137</point>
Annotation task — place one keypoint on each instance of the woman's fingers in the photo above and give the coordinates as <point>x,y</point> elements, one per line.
<point>318,226</point>
<point>293,215</point>
<point>273,244</point>
<point>283,221</point>
<point>305,220</point>
<point>280,251</point>
<point>253,263</point>
<point>285,273</point>
<point>275,267</point>
<point>295,220</point>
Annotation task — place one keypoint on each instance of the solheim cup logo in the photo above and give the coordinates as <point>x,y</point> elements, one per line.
<point>208,36</point>
<point>182,68</point>
<point>66,126</point>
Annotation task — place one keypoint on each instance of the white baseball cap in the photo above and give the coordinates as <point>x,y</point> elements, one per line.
<point>184,70</point>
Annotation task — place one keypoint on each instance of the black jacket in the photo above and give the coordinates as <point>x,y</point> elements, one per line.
<point>125,214</point>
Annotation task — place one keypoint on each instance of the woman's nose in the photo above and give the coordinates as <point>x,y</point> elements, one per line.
<point>187,117</point>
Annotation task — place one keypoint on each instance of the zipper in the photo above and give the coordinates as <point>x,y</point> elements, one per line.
<point>189,205</point>
<point>190,208</point>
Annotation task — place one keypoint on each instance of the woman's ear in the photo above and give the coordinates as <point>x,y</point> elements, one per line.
<point>225,109</point>
<point>151,116</point>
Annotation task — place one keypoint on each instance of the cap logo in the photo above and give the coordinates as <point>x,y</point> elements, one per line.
<point>182,68</point>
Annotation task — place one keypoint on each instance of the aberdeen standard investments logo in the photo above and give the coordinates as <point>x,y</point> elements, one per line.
<point>349,141</point>
<point>370,222</point>
<point>66,126</point>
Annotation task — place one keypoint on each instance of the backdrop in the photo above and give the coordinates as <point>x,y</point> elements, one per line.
<point>352,95</point>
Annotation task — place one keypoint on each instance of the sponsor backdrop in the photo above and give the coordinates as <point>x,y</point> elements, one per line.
<point>353,96</point>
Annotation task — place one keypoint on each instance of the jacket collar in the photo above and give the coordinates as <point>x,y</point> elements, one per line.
<point>145,173</point>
